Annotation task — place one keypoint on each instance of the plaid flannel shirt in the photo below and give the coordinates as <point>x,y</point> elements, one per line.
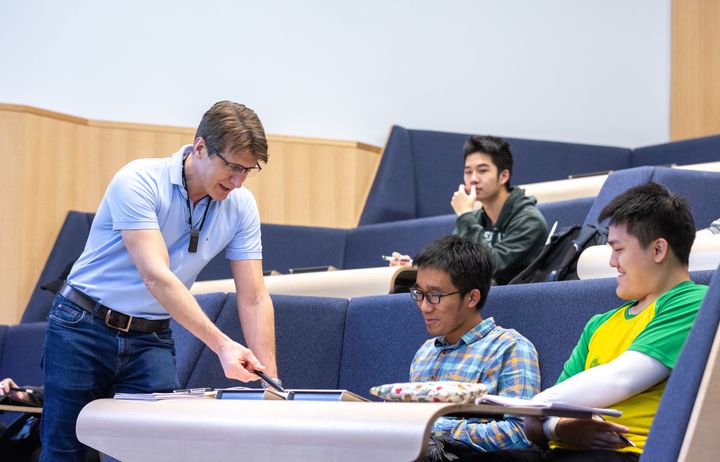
<point>502,359</point>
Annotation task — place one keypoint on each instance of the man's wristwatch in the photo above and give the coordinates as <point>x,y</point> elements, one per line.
<point>264,384</point>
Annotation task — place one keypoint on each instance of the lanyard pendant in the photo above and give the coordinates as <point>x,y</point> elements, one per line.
<point>194,237</point>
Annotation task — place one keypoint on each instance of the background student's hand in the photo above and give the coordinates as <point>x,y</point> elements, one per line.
<point>5,386</point>
<point>399,259</point>
<point>238,362</point>
<point>463,202</point>
<point>590,433</point>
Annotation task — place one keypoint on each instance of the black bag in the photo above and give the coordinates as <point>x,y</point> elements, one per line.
<point>20,442</point>
<point>442,449</point>
<point>558,259</point>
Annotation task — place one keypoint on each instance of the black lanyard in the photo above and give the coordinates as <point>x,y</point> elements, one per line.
<point>194,233</point>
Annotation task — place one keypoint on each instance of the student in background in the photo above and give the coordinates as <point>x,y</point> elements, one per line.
<point>453,281</point>
<point>492,213</point>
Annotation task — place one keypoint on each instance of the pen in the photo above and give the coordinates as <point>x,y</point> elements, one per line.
<point>22,390</point>
<point>625,439</point>
<point>269,381</point>
<point>552,231</point>
<point>389,258</point>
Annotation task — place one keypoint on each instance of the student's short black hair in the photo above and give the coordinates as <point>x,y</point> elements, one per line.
<point>497,148</point>
<point>468,264</point>
<point>651,211</point>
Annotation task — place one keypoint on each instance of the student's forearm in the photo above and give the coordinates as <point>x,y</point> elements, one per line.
<point>490,436</point>
<point>608,384</point>
<point>533,428</point>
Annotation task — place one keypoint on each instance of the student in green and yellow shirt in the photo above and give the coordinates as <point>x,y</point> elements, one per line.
<point>624,356</point>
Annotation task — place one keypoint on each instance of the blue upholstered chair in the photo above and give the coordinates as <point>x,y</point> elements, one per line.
<point>672,418</point>
<point>697,187</point>
<point>287,246</point>
<point>365,244</point>
<point>566,213</point>
<point>67,248</point>
<point>309,337</point>
<point>694,151</point>
<point>382,334</point>
<point>420,170</point>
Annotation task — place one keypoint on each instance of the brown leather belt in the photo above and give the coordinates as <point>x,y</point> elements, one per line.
<point>110,317</point>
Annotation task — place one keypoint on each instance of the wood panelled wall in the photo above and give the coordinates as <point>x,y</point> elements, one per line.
<point>695,72</point>
<point>56,163</point>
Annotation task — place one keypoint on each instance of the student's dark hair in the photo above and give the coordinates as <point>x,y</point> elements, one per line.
<point>497,148</point>
<point>651,211</point>
<point>468,264</point>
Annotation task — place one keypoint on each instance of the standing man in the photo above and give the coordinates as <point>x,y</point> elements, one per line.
<point>453,281</point>
<point>492,213</point>
<point>160,222</point>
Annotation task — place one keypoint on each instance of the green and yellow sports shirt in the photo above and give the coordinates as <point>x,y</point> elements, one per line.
<point>659,331</point>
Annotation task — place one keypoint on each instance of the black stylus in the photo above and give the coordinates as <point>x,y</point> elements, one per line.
<point>270,381</point>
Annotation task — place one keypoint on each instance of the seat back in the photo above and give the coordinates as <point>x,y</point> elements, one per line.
<point>288,246</point>
<point>699,188</point>
<point>365,244</point>
<point>382,334</point>
<point>420,170</point>
<point>566,213</point>
<point>694,151</point>
<point>67,248</point>
<point>692,185</point>
<point>308,334</point>
<point>551,315</point>
<point>615,184</point>
<point>673,415</point>
<point>188,347</point>
<point>21,348</point>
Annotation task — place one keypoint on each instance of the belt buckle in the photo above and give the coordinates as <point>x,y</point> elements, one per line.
<point>121,329</point>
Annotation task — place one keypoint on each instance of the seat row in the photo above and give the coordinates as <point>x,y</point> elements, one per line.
<point>420,169</point>
<point>331,343</point>
<point>286,246</point>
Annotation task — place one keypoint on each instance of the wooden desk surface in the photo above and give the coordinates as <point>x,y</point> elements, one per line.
<point>13,408</point>
<point>208,429</point>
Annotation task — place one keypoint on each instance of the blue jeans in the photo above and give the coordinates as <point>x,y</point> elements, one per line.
<point>85,360</point>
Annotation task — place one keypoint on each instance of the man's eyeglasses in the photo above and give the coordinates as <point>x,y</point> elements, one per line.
<point>237,168</point>
<point>432,298</point>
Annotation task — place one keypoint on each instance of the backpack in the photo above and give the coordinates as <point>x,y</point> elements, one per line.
<point>20,442</point>
<point>558,259</point>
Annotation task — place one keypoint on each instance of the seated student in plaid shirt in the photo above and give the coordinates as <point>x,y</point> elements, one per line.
<point>453,281</point>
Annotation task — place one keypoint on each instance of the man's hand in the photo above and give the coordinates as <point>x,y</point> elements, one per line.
<point>463,202</point>
<point>5,389</point>
<point>239,362</point>
<point>591,433</point>
<point>399,259</point>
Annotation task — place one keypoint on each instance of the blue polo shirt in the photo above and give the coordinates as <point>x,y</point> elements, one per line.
<point>149,194</point>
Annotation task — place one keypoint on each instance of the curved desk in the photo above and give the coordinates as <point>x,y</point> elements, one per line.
<point>704,255</point>
<point>341,283</point>
<point>208,429</point>
<point>589,186</point>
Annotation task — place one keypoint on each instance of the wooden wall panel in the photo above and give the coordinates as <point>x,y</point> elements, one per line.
<point>12,150</point>
<point>695,72</point>
<point>55,163</point>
